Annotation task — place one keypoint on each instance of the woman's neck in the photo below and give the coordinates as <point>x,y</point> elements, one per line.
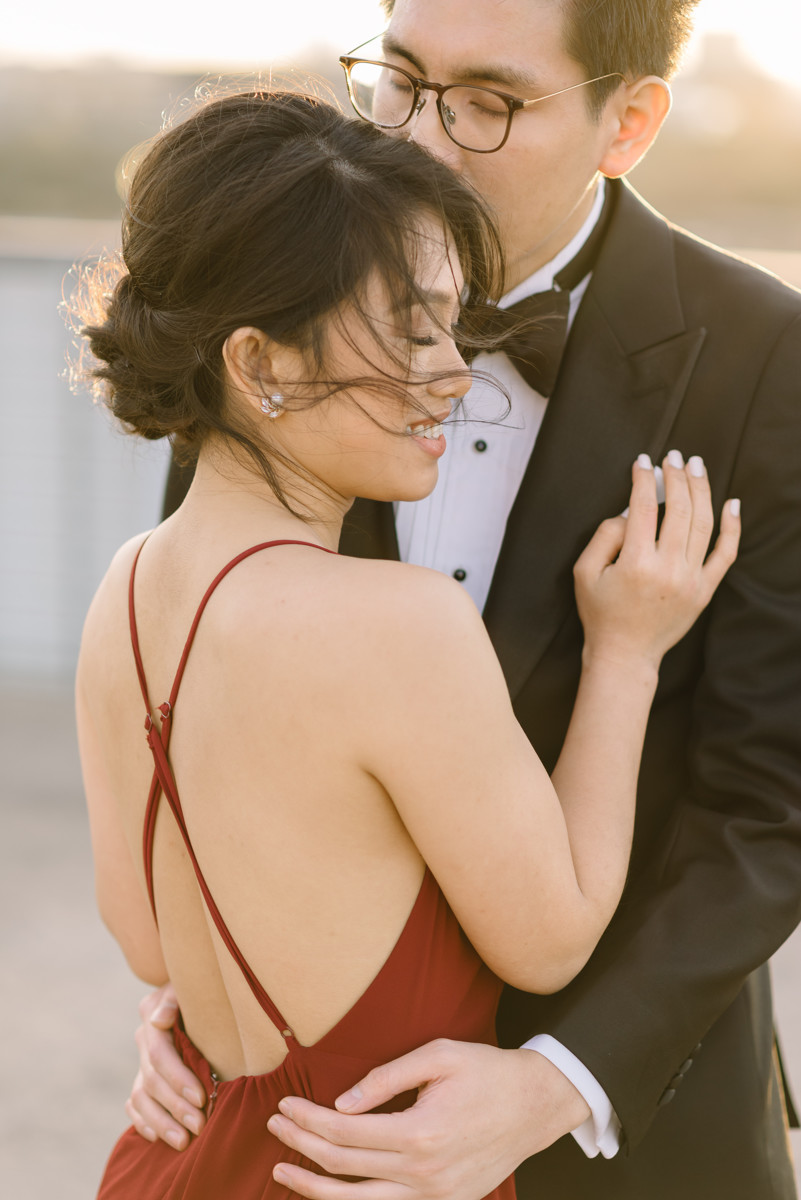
<point>225,495</point>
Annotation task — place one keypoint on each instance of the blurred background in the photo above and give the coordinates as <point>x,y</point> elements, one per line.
<point>77,90</point>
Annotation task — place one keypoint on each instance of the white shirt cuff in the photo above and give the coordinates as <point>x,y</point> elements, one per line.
<point>600,1133</point>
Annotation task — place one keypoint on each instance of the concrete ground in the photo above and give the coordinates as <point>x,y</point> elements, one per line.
<point>68,1004</point>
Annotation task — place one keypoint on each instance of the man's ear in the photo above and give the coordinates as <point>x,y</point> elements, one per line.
<point>638,110</point>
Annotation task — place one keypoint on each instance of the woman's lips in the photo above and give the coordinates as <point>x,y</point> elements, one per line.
<point>429,438</point>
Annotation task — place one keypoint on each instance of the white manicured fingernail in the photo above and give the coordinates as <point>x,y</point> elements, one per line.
<point>644,461</point>
<point>734,508</point>
<point>175,1139</point>
<point>675,459</point>
<point>625,513</point>
<point>696,465</point>
<point>659,476</point>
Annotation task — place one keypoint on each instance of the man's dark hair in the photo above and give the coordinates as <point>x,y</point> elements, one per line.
<point>634,37</point>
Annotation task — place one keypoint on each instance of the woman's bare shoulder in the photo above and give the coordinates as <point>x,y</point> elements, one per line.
<point>109,607</point>
<point>360,600</point>
<point>350,632</point>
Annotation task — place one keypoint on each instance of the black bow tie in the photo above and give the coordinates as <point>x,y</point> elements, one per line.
<point>533,332</point>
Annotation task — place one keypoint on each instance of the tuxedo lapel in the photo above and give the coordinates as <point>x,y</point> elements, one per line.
<point>623,378</point>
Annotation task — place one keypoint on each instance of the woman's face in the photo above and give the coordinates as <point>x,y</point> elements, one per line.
<point>367,441</point>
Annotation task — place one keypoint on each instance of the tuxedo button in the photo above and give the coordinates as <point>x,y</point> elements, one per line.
<point>666,1097</point>
<point>480,446</point>
<point>685,1066</point>
<point>460,574</point>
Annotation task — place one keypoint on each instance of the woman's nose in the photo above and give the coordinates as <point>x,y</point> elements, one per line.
<point>453,378</point>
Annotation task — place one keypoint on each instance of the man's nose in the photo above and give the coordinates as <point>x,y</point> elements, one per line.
<point>425,128</point>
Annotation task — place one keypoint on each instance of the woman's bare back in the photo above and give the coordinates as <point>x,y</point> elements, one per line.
<point>302,849</point>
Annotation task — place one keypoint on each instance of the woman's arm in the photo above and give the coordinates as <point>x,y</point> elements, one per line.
<point>534,869</point>
<point>435,716</point>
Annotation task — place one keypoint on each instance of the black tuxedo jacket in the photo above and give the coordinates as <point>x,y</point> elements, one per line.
<point>675,345</point>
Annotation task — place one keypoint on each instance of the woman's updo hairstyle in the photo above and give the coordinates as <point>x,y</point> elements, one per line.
<point>266,209</point>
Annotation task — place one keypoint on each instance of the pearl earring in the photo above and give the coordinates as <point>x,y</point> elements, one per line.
<point>274,406</point>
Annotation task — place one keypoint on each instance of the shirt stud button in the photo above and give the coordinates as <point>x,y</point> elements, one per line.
<point>480,445</point>
<point>460,574</point>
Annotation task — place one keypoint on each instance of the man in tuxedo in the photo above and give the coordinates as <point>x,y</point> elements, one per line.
<point>660,1057</point>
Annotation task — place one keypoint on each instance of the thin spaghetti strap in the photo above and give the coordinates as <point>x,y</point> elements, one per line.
<point>165,709</point>
<point>140,670</point>
<point>163,782</point>
<point>167,785</point>
<point>217,579</point>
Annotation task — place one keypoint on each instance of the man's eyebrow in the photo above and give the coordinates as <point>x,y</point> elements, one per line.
<point>504,76</point>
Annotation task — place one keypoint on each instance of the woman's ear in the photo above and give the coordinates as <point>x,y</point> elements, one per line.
<point>248,362</point>
<point>638,110</point>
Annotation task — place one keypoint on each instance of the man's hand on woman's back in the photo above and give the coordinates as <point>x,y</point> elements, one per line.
<point>166,1100</point>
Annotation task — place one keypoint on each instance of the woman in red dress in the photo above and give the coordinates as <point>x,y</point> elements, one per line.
<point>311,805</point>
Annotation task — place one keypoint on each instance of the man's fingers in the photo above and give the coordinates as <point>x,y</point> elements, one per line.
<point>166,1100</point>
<point>405,1074</point>
<point>153,1001</point>
<point>335,1159</point>
<point>167,1078</point>
<point>152,1120</point>
<point>139,1120</point>
<point>726,547</point>
<point>161,1108</point>
<point>318,1187</point>
<point>408,1073</point>
<point>165,1013</point>
<point>373,1131</point>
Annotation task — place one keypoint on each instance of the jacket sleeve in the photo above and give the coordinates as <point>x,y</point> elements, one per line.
<point>722,890</point>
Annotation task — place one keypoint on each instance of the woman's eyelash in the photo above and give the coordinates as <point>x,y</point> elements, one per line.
<point>425,341</point>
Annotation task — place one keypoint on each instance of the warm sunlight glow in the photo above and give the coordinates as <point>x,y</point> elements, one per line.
<point>249,33</point>
<point>257,31</point>
<point>770,31</point>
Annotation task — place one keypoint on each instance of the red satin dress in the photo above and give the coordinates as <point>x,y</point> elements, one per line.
<point>432,985</point>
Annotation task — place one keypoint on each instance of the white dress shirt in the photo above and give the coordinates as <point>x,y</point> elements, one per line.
<point>459,529</point>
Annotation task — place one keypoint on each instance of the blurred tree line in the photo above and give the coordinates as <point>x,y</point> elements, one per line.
<point>727,164</point>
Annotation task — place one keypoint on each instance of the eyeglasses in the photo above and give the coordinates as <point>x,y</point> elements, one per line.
<point>475,118</point>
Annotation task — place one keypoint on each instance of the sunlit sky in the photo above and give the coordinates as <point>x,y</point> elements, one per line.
<point>165,32</point>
